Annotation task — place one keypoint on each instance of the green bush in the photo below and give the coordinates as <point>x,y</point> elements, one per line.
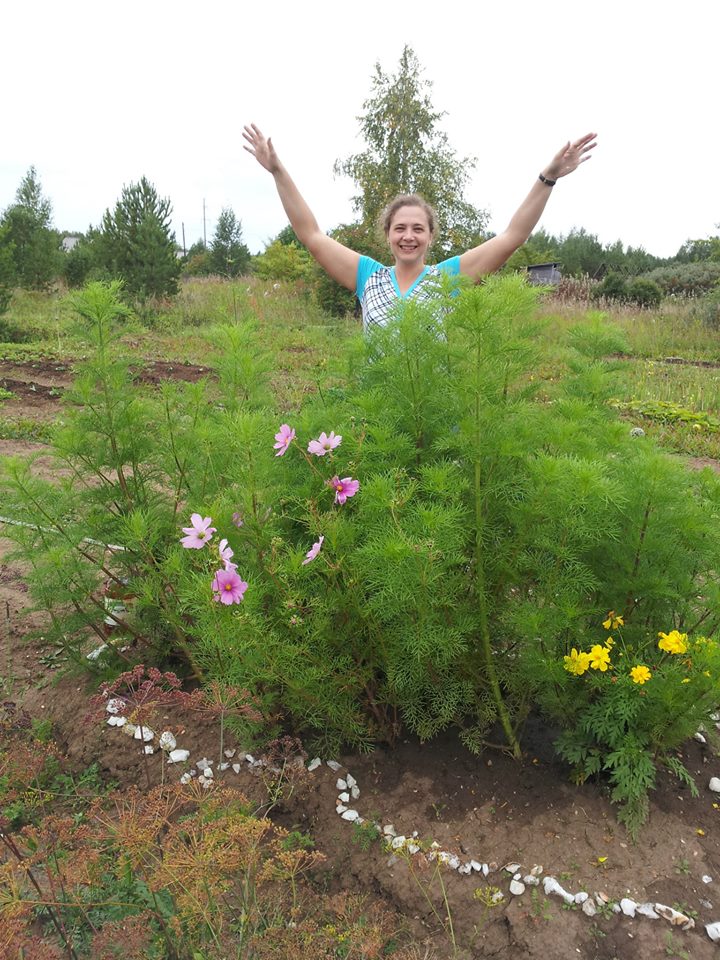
<point>644,292</point>
<point>495,520</point>
<point>612,287</point>
<point>686,279</point>
<point>283,262</point>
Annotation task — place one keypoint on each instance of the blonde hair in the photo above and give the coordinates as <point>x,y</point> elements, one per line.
<point>407,200</point>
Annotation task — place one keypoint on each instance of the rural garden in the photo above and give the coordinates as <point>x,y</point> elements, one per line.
<point>323,645</point>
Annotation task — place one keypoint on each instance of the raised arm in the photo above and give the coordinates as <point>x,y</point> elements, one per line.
<point>492,254</point>
<point>339,261</point>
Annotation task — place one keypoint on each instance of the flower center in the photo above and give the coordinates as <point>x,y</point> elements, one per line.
<point>228,586</point>
<point>339,487</point>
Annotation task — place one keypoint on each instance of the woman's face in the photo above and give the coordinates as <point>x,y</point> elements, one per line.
<point>409,235</point>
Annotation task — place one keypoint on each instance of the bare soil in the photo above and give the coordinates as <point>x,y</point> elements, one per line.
<point>488,808</point>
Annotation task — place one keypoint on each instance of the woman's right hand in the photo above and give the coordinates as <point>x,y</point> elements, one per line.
<point>261,148</point>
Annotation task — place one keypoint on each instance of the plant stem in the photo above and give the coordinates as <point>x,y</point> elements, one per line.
<point>481,592</point>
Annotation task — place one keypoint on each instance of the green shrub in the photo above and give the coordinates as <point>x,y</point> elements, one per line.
<point>496,518</point>
<point>644,292</point>
<point>612,287</point>
<point>284,262</point>
<point>686,279</point>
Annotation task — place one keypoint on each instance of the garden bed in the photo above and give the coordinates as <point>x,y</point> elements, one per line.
<point>490,808</point>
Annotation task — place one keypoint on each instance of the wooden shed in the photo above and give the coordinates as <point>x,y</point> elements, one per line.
<point>545,274</point>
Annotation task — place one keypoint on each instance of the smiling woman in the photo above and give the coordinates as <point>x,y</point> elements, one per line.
<point>409,224</point>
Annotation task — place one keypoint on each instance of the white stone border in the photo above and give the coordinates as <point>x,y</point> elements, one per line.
<point>349,791</point>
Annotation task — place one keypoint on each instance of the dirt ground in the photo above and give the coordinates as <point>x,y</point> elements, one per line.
<point>490,809</point>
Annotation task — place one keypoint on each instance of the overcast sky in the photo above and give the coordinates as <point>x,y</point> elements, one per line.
<point>98,94</point>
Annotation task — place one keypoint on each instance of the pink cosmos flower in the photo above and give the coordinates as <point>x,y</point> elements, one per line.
<point>347,487</point>
<point>237,519</point>
<point>226,555</point>
<point>313,551</point>
<point>284,437</point>
<point>324,443</point>
<point>199,533</point>
<point>227,587</point>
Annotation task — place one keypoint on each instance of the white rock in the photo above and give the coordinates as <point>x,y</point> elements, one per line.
<point>94,654</point>
<point>550,885</point>
<point>185,778</point>
<point>464,868</point>
<point>512,867</point>
<point>360,820</point>
<point>314,764</point>
<point>412,847</point>
<point>350,780</point>
<point>485,869</point>
<point>714,784</point>
<point>204,764</point>
<point>250,758</point>
<point>143,733</point>
<point>355,791</point>
<point>236,767</point>
<point>115,721</point>
<point>397,842</point>
<point>167,740</point>
<point>205,782</point>
<point>344,797</point>
<point>589,908</point>
<point>531,881</point>
<point>209,775</point>
<point>223,766</point>
<point>676,918</point>
<point>713,930</point>
<point>449,859</point>
<point>581,897</point>
<point>699,737</point>
<point>517,888</point>
<point>115,705</point>
<point>706,878</point>
<point>178,756</point>
<point>389,830</point>
<point>497,897</point>
<point>350,815</point>
<point>628,906</point>
<point>340,808</point>
<point>229,753</point>
<point>334,765</point>
<point>149,749</point>
<point>340,784</point>
<point>646,910</point>
<point>536,870</point>
<point>476,865</point>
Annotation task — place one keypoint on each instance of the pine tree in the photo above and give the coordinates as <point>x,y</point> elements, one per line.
<point>136,243</point>
<point>28,234</point>
<point>228,254</point>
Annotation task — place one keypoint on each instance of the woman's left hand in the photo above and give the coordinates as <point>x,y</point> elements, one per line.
<point>570,157</point>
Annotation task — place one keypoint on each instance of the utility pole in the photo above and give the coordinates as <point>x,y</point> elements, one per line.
<point>204,226</point>
<point>183,233</point>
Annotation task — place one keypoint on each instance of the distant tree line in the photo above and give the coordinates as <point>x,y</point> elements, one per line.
<point>405,152</point>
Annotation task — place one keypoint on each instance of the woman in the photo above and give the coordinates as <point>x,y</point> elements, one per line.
<point>409,224</point>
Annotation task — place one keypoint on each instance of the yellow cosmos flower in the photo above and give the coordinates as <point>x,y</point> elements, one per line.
<point>614,620</point>
<point>577,663</point>
<point>599,658</point>
<point>609,643</point>
<point>686,680</point>
<point>640,674</point>
<point>673,642</point>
